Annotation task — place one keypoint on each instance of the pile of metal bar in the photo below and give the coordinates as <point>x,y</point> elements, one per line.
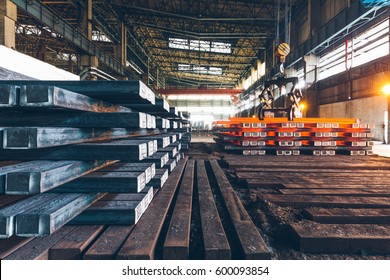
<point>180,123</point>
<point>278,136</point>
<point>90,152</point>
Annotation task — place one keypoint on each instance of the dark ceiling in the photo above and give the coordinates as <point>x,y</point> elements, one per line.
<point>243,28</point>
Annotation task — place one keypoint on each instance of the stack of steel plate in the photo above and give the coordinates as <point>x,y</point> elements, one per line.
<point>278,136</point>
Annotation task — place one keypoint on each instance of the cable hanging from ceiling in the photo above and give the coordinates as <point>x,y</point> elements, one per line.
<point>287,21</point>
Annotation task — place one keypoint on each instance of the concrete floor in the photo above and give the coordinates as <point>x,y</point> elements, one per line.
<point>202,137</point>
<point>207,137</point>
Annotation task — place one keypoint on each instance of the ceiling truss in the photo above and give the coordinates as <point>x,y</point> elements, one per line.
<point>248,26</point>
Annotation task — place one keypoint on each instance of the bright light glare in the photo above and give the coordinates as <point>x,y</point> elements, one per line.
<point>386,89</point>
<point>301,84</point>
<point>302,106</point>
<point>31,67</point>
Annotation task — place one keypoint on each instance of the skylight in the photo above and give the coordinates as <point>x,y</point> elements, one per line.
<point>178,43</point>
<point>196,69</point>
<point>199,45</point>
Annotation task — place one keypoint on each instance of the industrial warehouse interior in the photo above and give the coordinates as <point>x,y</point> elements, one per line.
<point>195,130</point>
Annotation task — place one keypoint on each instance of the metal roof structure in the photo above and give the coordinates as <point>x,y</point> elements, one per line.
<point>187,43</point>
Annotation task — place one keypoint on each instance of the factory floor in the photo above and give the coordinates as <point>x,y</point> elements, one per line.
<point>207,137</point>
<point>281,192</point>
<point>202,137</point>
<point>293,207</point>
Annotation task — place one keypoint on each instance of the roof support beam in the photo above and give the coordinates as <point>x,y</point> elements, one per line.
<point>204,18</point>
<point>229,91</point>
<point>209,35</point>
<point>196,52</point>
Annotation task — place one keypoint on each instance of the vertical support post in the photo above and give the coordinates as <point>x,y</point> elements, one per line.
<point>120,50</point>
<point>256,101</point>
<point>42,51</point>
<point>314,11</point>
<point>89,61</point>
<point>148,77</point>
<point>89,20</point>
<point>157,77</point>
<point>70,64</point>
<point>8,17</point>
<point>86,25</point>
<point>123,44</point>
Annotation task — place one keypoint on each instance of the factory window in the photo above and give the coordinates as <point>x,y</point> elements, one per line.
<point>371,44</point>
<point>177,43</point>
<point>27,29</point>
<point>219,47</point>
<point>361,49</point>
<point>199,45</point>
<point>99,36</point>
<point>184,67</point>
<point>66,57</point>
<point>248,83</point>
<point>196,69</point>
<point>215,70</point>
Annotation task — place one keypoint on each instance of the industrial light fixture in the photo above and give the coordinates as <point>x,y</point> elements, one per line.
<point>386,89</point>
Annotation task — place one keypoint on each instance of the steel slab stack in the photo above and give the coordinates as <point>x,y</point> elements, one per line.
<point>87,152</point>
<point>278,136</point>
<point>182,124</point>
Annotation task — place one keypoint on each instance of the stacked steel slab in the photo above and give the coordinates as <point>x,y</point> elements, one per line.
<point>87,153</point>
<point>183,127</point>
<point>278,136</point>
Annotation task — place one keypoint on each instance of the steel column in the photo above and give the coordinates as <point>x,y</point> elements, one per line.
<point>7,23</point>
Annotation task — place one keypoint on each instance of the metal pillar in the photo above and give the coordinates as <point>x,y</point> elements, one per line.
<point>70,64</point>
<point>89,20</point>
<point>87,60</point>
<point>42,51</point>
<point>8,18</point>
<point>123,44</point>
<point>148,77</point>
<point>314,11</point>
<point>120,50</point>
